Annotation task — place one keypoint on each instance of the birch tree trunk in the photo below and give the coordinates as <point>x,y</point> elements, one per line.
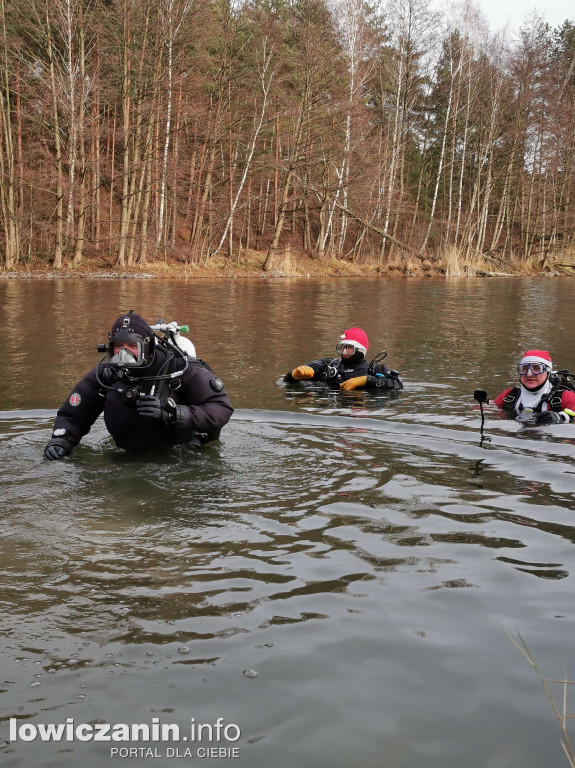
<point>266,78</point>
<point>58,246</point>
<point>82,204</point>
<point>126,107</point>
<point>7,158</point>
<point>453,75</point>
<point>284,199</point>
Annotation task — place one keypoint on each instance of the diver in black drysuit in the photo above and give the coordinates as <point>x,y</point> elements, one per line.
<point>141,411</point>
<point>351,370</point>
<point>334,371</point>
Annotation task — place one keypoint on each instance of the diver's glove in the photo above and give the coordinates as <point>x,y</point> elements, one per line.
<point>355,383</point>
<point>167,411</point>
<point>551,417</point>
<point>303,372</point>
<point>151,407</point>
<point>57,448</point>
<point>381,381</point>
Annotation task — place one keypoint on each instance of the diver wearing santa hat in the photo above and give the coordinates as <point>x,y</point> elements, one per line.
<point>540,393</point>
<point>351,370</point>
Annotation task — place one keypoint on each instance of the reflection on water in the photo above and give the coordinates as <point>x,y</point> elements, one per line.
<point>364,555</point>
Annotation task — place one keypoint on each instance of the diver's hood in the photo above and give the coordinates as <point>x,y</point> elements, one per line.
<point>131,329</point>
<point>354,360</point>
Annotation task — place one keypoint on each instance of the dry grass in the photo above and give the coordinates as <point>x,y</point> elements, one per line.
<point>452,262</point>
<point>455,262</point>
<point>560,711</point>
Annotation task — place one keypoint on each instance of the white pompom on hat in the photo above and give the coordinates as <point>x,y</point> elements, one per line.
<point>356,337</point>
<point>537,356</point>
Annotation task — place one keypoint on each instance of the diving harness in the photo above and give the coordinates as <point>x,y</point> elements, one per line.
<point>334,368</point>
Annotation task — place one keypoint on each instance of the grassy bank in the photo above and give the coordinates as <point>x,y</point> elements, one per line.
<point>290,264</point>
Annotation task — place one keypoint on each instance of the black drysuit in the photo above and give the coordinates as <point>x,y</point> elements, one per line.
<point>334,370</point>
<point>204,407</point>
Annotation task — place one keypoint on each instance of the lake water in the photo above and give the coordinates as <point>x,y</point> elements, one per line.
<point>337,576</point>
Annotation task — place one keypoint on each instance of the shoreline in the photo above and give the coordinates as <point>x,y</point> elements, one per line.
<point>6,275</point>
<point>297,265</point>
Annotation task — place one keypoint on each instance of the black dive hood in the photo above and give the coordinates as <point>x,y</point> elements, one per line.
<point>133,331</point>
<point>127,365</point>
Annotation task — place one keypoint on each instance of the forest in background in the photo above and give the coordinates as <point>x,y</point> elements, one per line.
<point>388,135</point>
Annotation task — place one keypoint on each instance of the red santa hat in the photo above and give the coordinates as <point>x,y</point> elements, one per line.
<point>537,356</point>
<point>356,337</point>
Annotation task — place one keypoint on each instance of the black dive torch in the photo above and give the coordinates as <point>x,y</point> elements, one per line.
<point>481,396</point>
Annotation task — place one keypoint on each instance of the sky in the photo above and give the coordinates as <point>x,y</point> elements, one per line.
<point>514,12</point>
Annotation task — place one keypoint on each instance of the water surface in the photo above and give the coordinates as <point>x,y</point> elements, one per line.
<point>365,556</point>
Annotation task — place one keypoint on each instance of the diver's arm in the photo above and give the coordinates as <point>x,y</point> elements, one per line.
<point>299,374</point>
<point>383,378</point>
<point>568,400</point>
<point>568,405</point>
<point>75,416</point>
<point>203,407</point>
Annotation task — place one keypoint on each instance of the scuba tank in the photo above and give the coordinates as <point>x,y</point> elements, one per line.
<point>173,333</point>
<point>566,379</point>
<point>561,380</point>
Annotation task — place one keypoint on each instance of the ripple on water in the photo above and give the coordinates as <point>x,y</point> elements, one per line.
<point>346,561</point>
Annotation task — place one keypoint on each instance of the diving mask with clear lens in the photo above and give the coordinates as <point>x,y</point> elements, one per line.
<point>124,358</point>
<point>346,348</point>
<point>536,368</point>
<point>127,352</point>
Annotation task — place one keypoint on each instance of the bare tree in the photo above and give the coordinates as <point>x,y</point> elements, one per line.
<point>8,182</point>
<point>267,74</point>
